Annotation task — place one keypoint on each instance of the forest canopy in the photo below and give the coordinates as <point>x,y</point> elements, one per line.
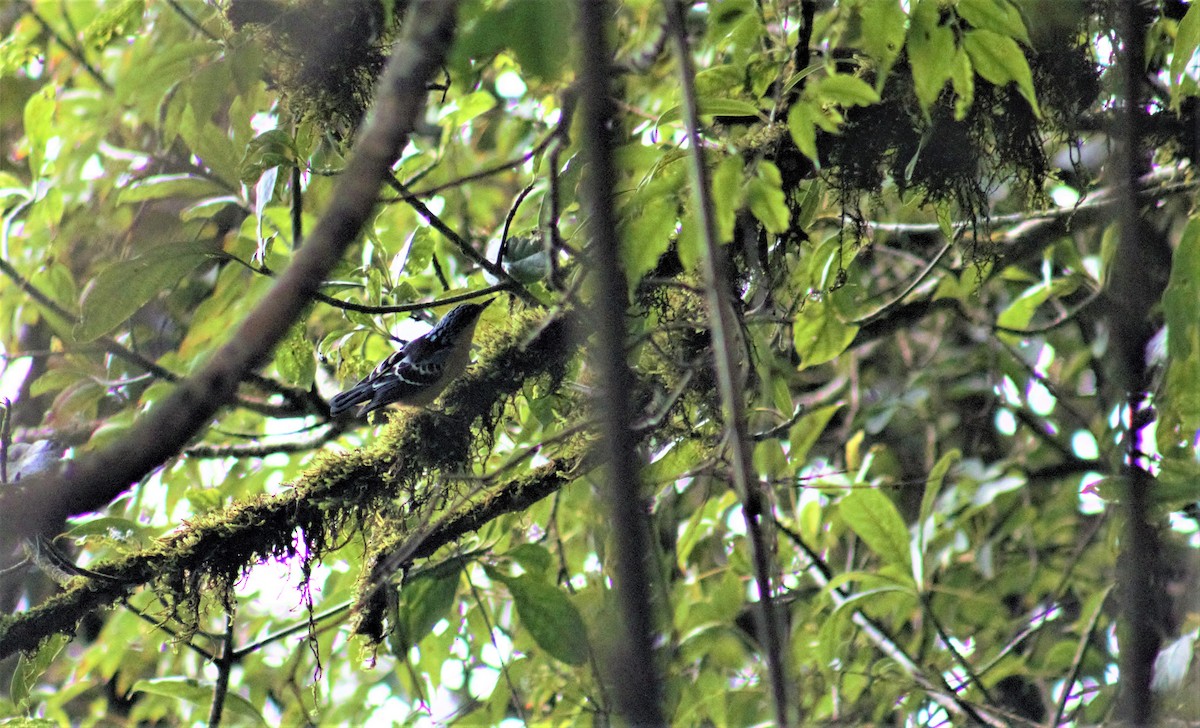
<point>841,365</point>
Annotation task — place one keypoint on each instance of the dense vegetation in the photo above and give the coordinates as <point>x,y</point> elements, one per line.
<point>845,365</point>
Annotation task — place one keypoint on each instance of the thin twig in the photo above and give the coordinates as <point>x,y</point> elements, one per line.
<point>224,665</point>
<point>1085,639</point>
<point>261,450</point>
<point>70,48</point>
<point>462,244</point>
<point>416,306</point>
<point>726,351</point>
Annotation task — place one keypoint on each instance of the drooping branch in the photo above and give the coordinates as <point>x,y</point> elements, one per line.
<point>42,504</point>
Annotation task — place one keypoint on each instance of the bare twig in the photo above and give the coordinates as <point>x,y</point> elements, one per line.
<point>462,244</point>
<point>224,664</point>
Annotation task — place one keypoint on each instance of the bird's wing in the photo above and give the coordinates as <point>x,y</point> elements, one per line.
<point>408,372</point>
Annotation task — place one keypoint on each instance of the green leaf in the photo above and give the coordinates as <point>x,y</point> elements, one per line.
<point>424,602</point>
<point>764,194</point>
<point>712,107</point>
<point>39,122</point>
<point>819,335</point>
<point>534,558</point>
<point>166,186</point>
<point>844,89</point>
<point>882,34</point>
<point>646,235</point>
<point>727,194</point>
<point>1179,405</point>
<point>930,53</point>
<point>116,18</point>
<point>273,148</point>
<point>211,144</point>
<point>1000,60</point>
<point>539,33</point>
<point>999,16</point>
<point>802,127</point>
<point>1020,312</point>
<point>550,617</point>
<point>466,108</point>
<point>933,486</point>
<point>196,693</point>
<point>1187,38</point>
<point>294,357</point>
<point>31,665</point>
<point>962,79</point>
<point>874,518</point>
<point>124,287</point>
<point>804,434</point>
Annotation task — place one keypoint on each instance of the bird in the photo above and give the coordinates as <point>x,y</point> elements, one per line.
<point>416,374</point>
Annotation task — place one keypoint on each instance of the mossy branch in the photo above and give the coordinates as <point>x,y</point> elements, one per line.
<point>214,550</point>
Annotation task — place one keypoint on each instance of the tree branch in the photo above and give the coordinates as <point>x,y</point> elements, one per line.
<point>328,494</point>
<point>42,504</point>
<point>631,667</point>
<point>727,350</point>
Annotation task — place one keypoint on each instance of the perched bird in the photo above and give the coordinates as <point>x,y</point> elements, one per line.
<point>417,373</point>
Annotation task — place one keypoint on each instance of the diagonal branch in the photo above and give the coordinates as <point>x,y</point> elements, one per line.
<point>329,496</point>
<point>42,504</point>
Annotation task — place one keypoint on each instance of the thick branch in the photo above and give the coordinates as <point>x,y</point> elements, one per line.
<point>93,481</point>
<point>631,669</point>
<point>331,493</point>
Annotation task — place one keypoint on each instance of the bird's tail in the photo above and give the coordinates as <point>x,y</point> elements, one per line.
<point>351,397</point>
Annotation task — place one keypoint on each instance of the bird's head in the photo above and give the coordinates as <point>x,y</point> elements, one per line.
<point>459,320</point>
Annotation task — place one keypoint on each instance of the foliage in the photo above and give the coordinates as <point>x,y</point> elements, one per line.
<point>919,219</point>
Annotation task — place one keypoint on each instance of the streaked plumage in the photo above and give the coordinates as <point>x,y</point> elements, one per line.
<point>417,373</point>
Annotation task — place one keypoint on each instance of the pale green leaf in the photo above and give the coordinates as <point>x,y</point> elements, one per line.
<point>883,24</point>
<point>39,121</point>
<point>802,126</point>
<point>161,187</point>
<point>1187,39</point>
<point>874,518</point>
<point>768,203</point>
<point>117,18</point>
<point>727,195</point>
<point>124,287</point>
<point>645,235</point>
<point>819,335</point>
<point>844,89</point>
<point>807,430</point>
<point>930,53</point>
<point>712,107</point>
<point>999,16</point>
<point>1000,60</point>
